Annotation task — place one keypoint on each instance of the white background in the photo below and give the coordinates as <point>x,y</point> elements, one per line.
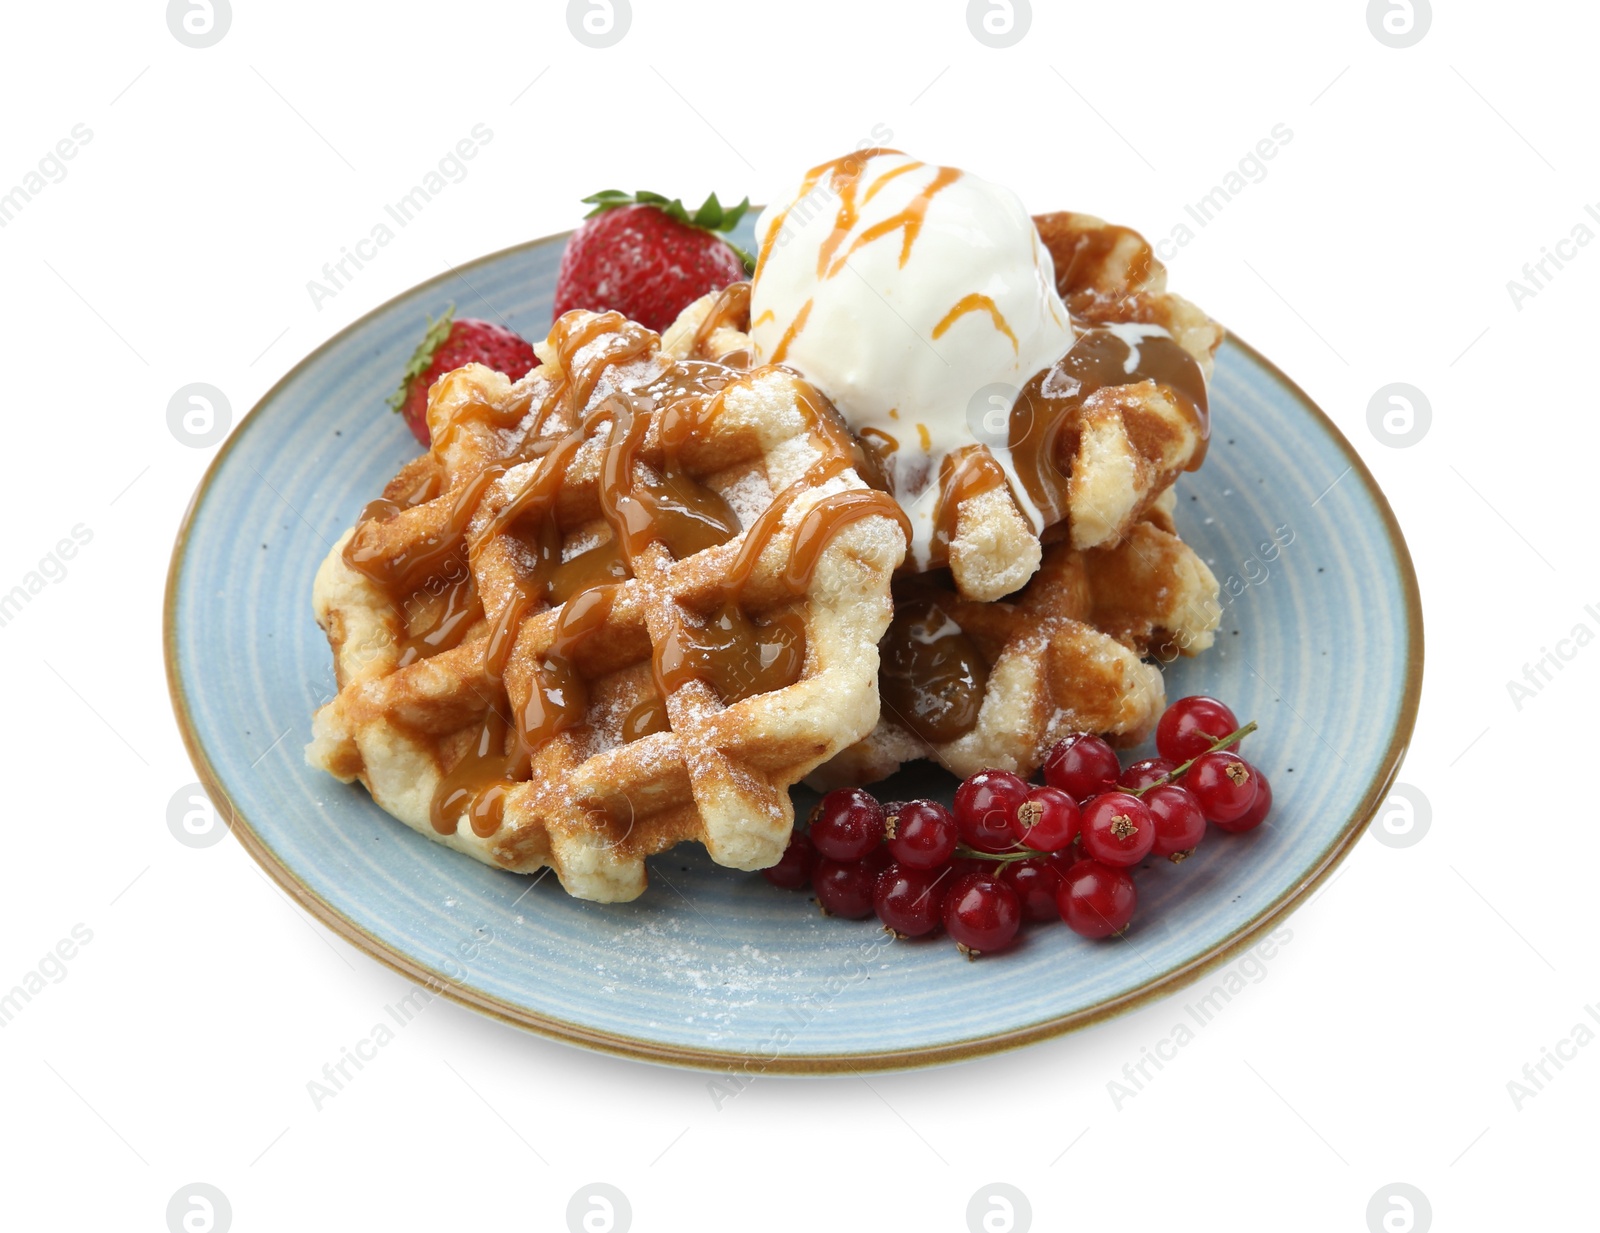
<point>177,248</point>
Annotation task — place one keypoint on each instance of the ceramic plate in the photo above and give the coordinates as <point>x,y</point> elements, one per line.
<point>1321,642</point>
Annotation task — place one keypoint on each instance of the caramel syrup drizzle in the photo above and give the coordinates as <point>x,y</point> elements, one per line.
<point>437,614</point>
<point>430,569</point>
<point>907,220</point>
<point>844,175</point>
<point>485,413</point>
<point>968,472</point>
<point>559,699</point>
<point>1090,254</point>
<point>823,522</point>
<point>731,309</point>
<point>791,331</point>
<point>678,512</point>
<point>740,656</point>
<point>477,784</point>
<point>976,302</point>
<point>1043,428</point>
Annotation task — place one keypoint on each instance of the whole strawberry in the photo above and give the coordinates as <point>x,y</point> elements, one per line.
<point>647,257</point>
<point>448,345</point>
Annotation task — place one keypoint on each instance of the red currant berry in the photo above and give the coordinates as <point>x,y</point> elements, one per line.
<point>1259,808</point>
<point>1036,882</point>
<point>845,888</point>
<point>1180,823</point>
<point>909,901</point>
<point>1223,783</point>
<point>847,825</point>
<point>943,878</point>
<point>922,834</point>
<point>1096,900</point>
<point>982,914</point>
<point>1192,725</point>
<point>793,870</point>
<point>1046,821</point>
<point>1117,829</point>
<point>956,870</point>
<point>1146,771</point>
<point>953,878</point>
<point>1068,857</point>
<point>1082,766</point>
<point>986,804</point>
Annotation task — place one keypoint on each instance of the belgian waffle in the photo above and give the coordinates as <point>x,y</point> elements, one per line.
<point>1099,437</point>
<point>1107,274</point>
<point>979,685</point>
<point>1102,438</point>
<point>623,603</point>
<point>1115,585</point>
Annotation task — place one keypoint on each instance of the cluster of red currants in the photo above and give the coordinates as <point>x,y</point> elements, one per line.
<point>1012,851</point>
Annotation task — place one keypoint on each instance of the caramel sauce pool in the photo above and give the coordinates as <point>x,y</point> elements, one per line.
<point>933,677</point>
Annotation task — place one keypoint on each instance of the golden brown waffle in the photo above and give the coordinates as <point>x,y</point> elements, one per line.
<point>623,603</point>
<point>1097,439</point>
<point>1066,653</point>
<point>979,685</point>
<point>1108,274</point>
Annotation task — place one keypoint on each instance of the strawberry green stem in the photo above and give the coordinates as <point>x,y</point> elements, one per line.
<point>422,358</point>
<point>712,216</point>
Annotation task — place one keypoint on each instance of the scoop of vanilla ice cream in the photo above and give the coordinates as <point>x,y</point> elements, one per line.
<point>905,291</point>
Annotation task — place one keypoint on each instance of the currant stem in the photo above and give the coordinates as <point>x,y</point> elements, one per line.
<point>1003,857</point>
<point>1177,772</point>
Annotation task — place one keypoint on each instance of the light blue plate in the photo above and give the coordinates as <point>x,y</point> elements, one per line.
<point>1321,642</point>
